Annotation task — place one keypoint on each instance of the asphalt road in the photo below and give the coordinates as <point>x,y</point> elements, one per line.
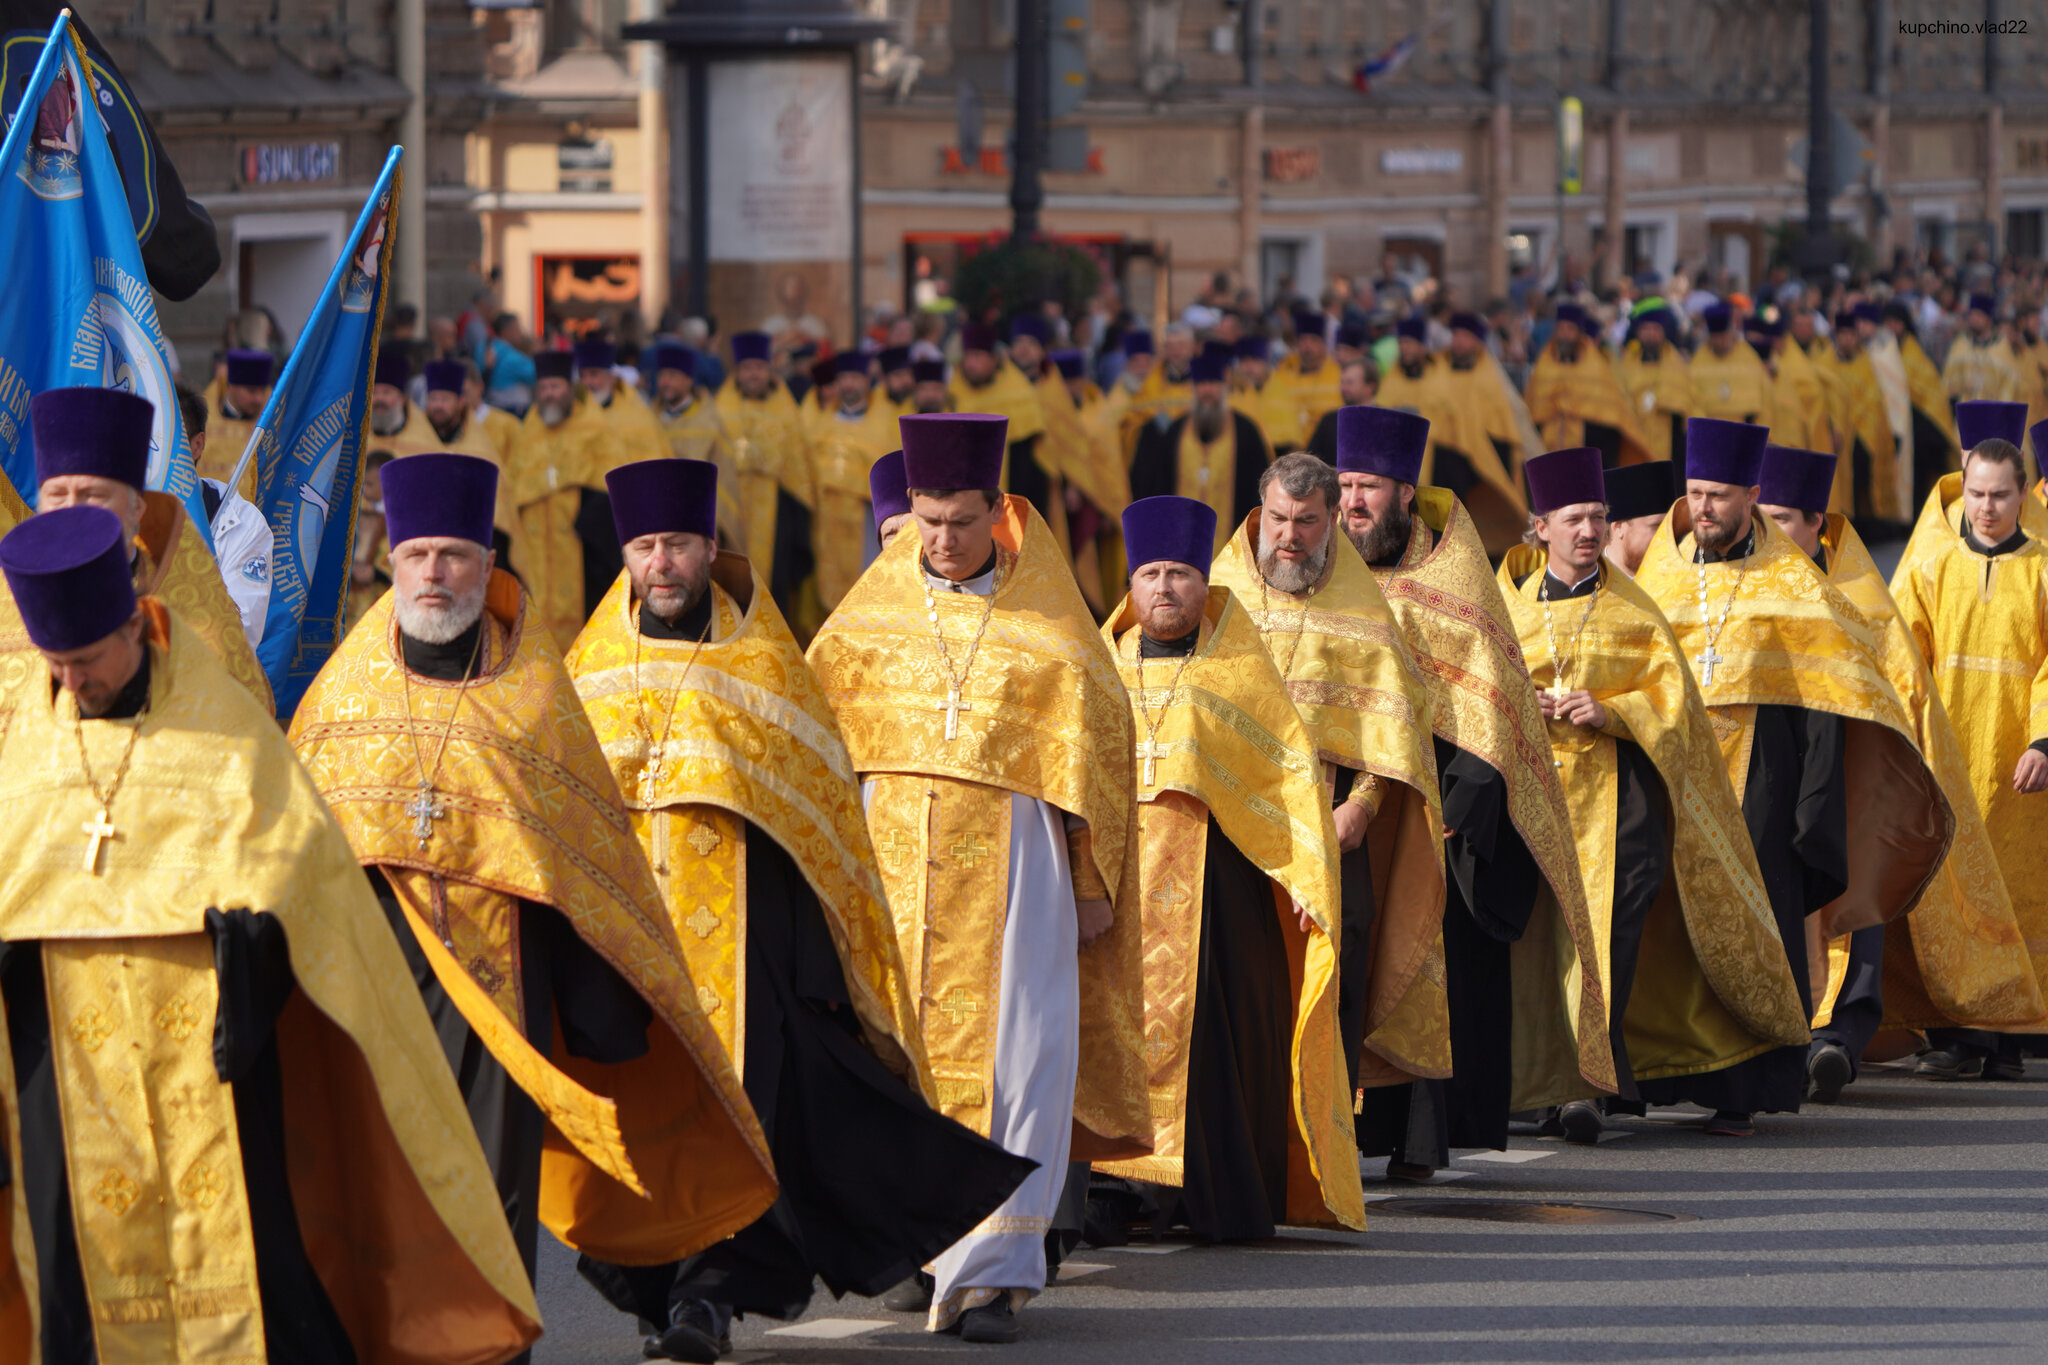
<point>1904,1225</point>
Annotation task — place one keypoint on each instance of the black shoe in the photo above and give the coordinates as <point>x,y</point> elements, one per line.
<point>914,1295</point>
<point>1579,1122</point>
<point>2005,1068</point>
<point>1827,1071</point>
<point>1551,1124</point>
<point>1410,1172</point>
<point>1950,1066</point>
<point>993,1324</point>
<point>1729,1123</point>
<point>699,1331</point>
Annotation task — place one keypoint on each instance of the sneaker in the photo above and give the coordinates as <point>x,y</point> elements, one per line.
<point>914,1295</point>
<point>1729,1123</point>
<point>699,1331</point>
<point>993,1324</point>
<point>1827,1071</point>
<point>1950,1066</point>
<point>1579,1122</point>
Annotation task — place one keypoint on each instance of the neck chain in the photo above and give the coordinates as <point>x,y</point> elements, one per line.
<point>426,806</point>
<point>650,775</point>
<point>956,687</point>
<point>1711,625</point>
<point>99,829</point>
<point>1300,620</point>
<point>1560,663</point>
<point>1150,749</point>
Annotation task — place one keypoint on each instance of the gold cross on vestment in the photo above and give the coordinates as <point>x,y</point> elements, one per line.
<point>703,839</point>
<point>97,831</point>
<point>953,705</point>
<point>958,1004</point>
<point>969,851</point>
<point>895,849</point>
<point>1151,752</point>
<point>1169,894</point>
<point>425,809</point>
<point>702,923</point>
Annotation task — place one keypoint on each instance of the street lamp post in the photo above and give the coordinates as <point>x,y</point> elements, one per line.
<point>1027,162</point>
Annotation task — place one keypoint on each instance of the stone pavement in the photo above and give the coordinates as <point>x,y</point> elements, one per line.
<point>1905,1224</point>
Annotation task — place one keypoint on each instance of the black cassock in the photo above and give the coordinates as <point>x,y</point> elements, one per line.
<point>1155,467</point>
<point>1490,889</point>
<point>874,1182</point>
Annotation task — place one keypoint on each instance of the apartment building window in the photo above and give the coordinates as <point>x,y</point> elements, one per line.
<point>2023,234</point>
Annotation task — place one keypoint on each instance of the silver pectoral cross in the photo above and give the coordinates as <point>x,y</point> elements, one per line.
<point>97,831</point>
<point>1558,691</point>
<point>1151,753</point>
<point>650,776</point>
<point>953,705</point>
<point>1708,659</point>
<point>425,809</point>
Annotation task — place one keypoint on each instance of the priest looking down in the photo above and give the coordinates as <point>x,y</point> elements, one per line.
<point>1348,670</point>
<point>1960,959</point>
<point>1211,453</point>
<point>768,445</point>
<point>691,426</point>
<point>1848,823</point>
<point>1975,614</point>
<point>992,740</point>
<point>1238,878</point>
<point>1638,497</point>
<point>231,417</point>
<point>1658,381</point>
<point>208,1021</point>
<point>92,449</point>
<point>449,742</point>
<point>710,719</point>
<point>844,442</point>
<point>1528,1012</point>
<point>1696,979</point>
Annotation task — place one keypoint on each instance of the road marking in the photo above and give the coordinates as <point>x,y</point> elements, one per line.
<point>1074,1270</point>
<point>1513,1158</point>
<point>1153,1248</point>
<point>830,1329</point>
<point>1615,1134</point>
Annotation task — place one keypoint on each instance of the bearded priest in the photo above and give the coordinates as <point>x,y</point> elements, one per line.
<point>1960,959</point>
<point>1848,823</point>
<point>1528,1011</point>
<point>449,742</point>
<point>1240,892</point>
<point>209,1024</point>
<point>697,691</point>
<point>92,449</point>
<point>1696,979</point>
<point>992,740</point>
<point>1351,676</point>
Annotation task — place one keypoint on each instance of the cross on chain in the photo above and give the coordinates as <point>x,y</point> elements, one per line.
<point>953,705</point>
<point>97,831</point>
<point>425,809</point>
<point>1708,659</point>
<point>650,776</point>
<point>1151,752</point>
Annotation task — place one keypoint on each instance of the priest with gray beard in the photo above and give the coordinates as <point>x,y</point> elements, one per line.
<point>1211,453</point>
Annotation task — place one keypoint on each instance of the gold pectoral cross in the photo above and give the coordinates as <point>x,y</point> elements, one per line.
<point>953,705</point>
<point>1558,691</point>
<point>97,831</point>
<point>650,776</point>
<point>424,809</point>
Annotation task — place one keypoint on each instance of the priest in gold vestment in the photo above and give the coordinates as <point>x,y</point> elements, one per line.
<point>1527,1004</point>
<point>1865,482</point>
<point>770,452</point>
<point>556,472</point>
<point>1729,380</point>
<point>1474,434</point>
<point>984,381</point>
<point>92,447</point>
<point>1575,398</point>
<point>859,429</point>
<point>1960,959</point>
<point>233,1138</point>
<point>1696,979</point>
<point>448,739</point>
<point>992,739</point>
<point>1975,613</point>
<point>1307,376</point>
<point>691,425</point>
<point>1980,363</point>
<point>1092,471</point>
<point>1239,885</point>
<point>1212,452</point>
<point>1849,824</point>
<point>710,717</point>
<point>1657,380</point>
<point>231,415</point>
<point>1350,674</point>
